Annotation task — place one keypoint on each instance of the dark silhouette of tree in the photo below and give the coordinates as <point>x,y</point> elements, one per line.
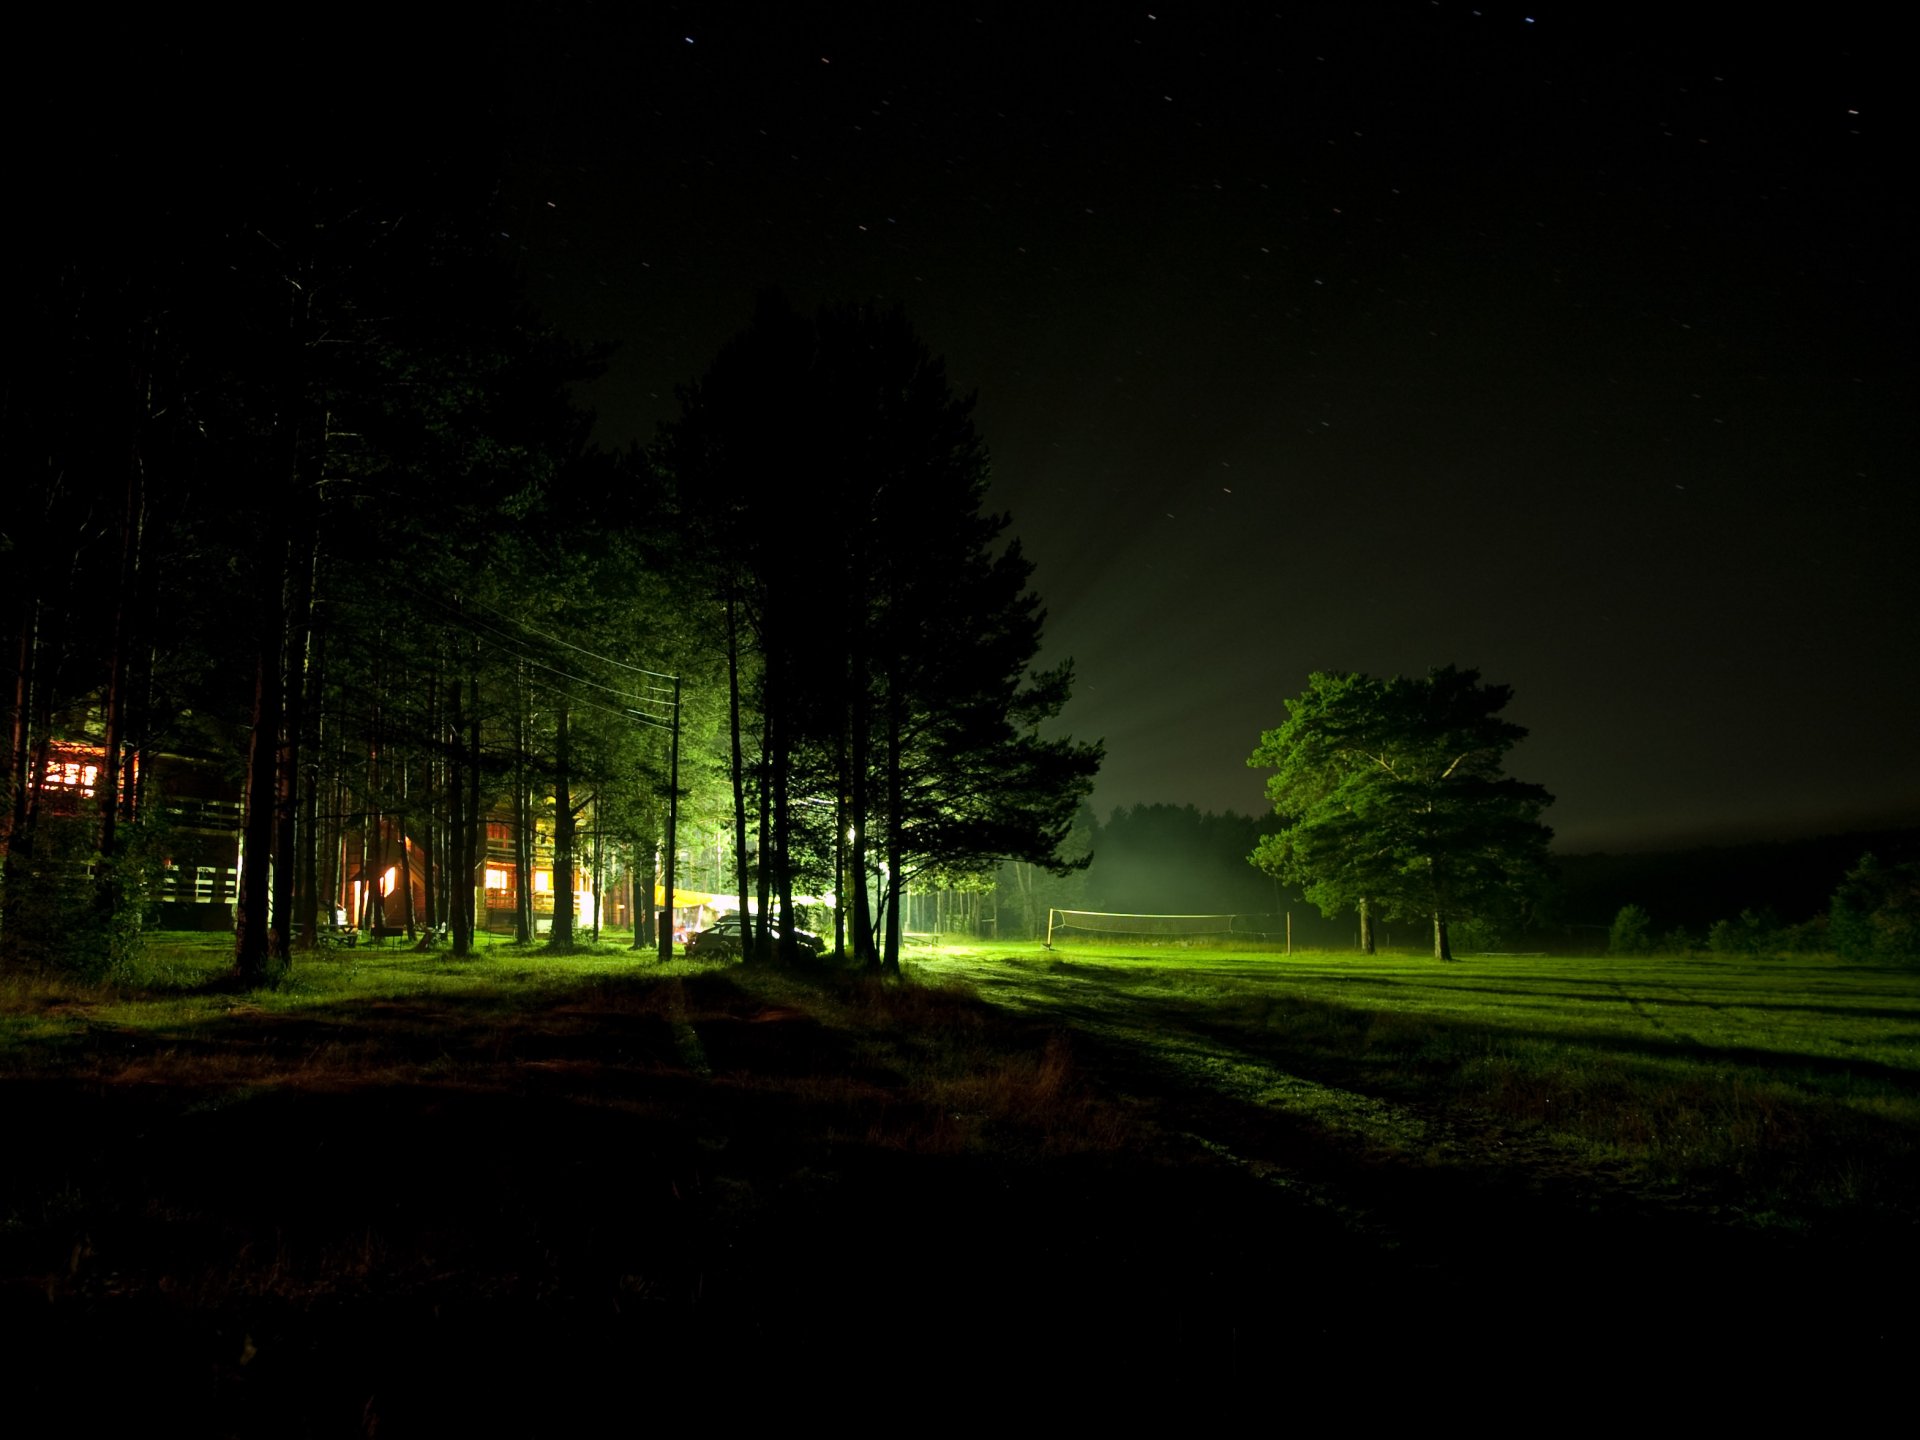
<point>836,485</point>
<point>257,404</point>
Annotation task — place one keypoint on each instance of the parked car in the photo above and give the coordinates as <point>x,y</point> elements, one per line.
<point>724,938</point>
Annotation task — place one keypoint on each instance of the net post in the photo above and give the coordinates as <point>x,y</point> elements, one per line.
<point>1048,942</point>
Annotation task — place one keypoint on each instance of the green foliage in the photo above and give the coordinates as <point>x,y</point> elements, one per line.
<point>72,912</point>
<point>1754,933</point>
<point>1875,912</point>
<point>1393,793</point>
<point>1678,941</point>
<point>1482,935</point>
<point>1632,932</point>
<point>1757,933</point>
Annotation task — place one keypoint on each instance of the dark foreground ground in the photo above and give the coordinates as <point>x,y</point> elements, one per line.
<point>473,1215</point>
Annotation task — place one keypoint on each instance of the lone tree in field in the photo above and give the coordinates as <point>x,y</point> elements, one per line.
<point>1394,800</point>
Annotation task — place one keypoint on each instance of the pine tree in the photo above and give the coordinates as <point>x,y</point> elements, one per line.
<point>836,484</point>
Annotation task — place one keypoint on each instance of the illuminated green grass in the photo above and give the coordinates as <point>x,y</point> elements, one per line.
<point>1780,1091</point>
<point>182,980</point>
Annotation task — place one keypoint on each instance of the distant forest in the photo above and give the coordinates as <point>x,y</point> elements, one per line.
<point>1794,879</point>
<point>1177,859</point>
<point>1167,859</point>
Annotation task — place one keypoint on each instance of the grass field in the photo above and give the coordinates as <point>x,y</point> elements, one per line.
<point>403,1194</point>
<point>1785,1090</point>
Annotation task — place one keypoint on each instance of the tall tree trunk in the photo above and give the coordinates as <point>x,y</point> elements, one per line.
<point>864,950</point>
<point>252,952</point>
<point>1440,890</point>
<point>787,947</point>
<point>306,895</point>
<point>132,522</point>
<point>374,872</point>
<point>599,871</point>
<point>298,604</point>
<point>560,937</point>
<point>890,959</point>
<point>459,911</point>
<point>20,778</point>
<point>840,845</point>
<point>756,936</point>
<point>643,876</point>
<point>406,857</point>
<point>633,898</point>
<point>473,845</point>
<point>739,771</point>
<point>522,814</point>
<point>668,857</point>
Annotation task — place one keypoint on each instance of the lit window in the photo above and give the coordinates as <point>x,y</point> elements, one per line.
<point>76,774</point>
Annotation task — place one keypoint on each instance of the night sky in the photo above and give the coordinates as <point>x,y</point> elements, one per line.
<point>1562,343</point>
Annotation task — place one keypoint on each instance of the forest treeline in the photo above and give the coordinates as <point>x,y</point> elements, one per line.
<point>297,489</point>
<point>1692,889</point>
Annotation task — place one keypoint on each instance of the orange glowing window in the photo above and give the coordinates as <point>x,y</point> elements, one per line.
<point>71,775</point>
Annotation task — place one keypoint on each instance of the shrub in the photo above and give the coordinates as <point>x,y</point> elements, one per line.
<point>1471,935</point>
<point>1807,938</point>
<point>1632,932</point>
<point>1752,934</point>
<point>68,910</point>
<point>1679,941</point>
<point>1875,912</point>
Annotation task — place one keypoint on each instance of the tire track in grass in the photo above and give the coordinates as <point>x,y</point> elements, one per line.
<point>1724,1014</point>
<point>1654,1022</point>
<point>1318,1122</point>
<point>1656,991</point>
<point>1154,1039</point>
<point>1405,1179</point>
<point>1678,995</point>
<point>1441,1193</point>
<point>1143,1045</point>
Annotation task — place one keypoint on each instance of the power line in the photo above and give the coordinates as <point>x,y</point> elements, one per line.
<point>581,679</point>
<point>590,654</point>
<point>461,615</point>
